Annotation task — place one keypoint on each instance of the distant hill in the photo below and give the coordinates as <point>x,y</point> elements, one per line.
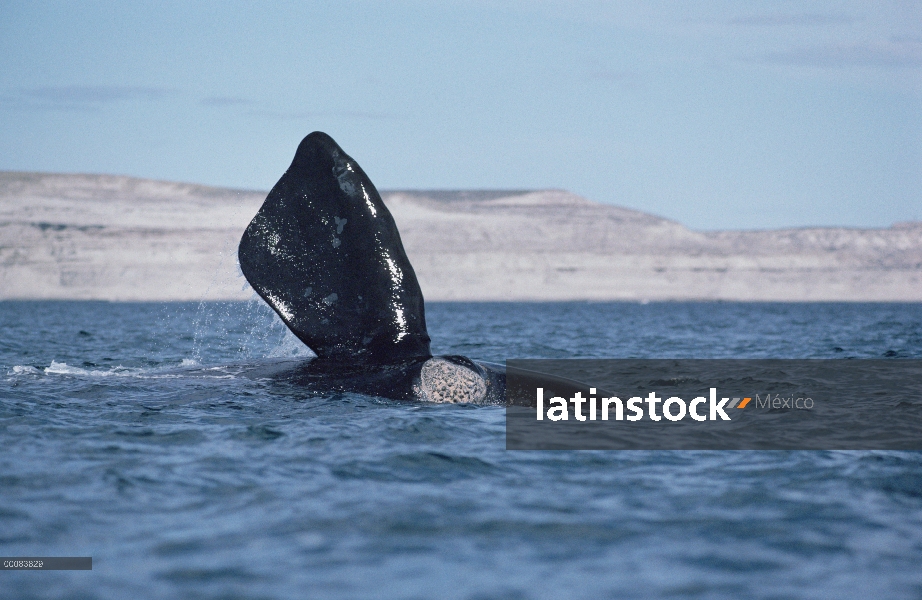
<point>122,238</point>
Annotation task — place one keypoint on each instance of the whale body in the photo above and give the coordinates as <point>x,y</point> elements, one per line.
<point>324,252</point>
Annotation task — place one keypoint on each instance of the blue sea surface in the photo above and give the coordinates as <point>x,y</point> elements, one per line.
<point>130,433</point>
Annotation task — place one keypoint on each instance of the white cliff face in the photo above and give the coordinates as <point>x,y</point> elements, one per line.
<point>120,238</point>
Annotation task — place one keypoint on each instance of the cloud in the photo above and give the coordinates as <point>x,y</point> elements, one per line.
<point>345,114</point>
<point>793,20</point>
<point>224,101</point>
<point>895,53</point>
<point>81,97</point>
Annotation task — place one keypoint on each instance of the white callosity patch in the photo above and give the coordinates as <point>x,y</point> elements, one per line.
<point>446,382</point>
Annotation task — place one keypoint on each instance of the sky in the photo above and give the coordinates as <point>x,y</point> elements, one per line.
<point>716,114</point>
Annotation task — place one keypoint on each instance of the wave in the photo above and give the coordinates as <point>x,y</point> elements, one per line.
<point>188,368</point>
<point>62,368</point>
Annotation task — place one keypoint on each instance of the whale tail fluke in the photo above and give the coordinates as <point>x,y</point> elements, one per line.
<point>324,252</point>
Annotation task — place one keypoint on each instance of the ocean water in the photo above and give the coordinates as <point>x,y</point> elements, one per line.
<point>131,433</point>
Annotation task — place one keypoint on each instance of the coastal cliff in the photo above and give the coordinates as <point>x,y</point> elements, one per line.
<point>120,238</point>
